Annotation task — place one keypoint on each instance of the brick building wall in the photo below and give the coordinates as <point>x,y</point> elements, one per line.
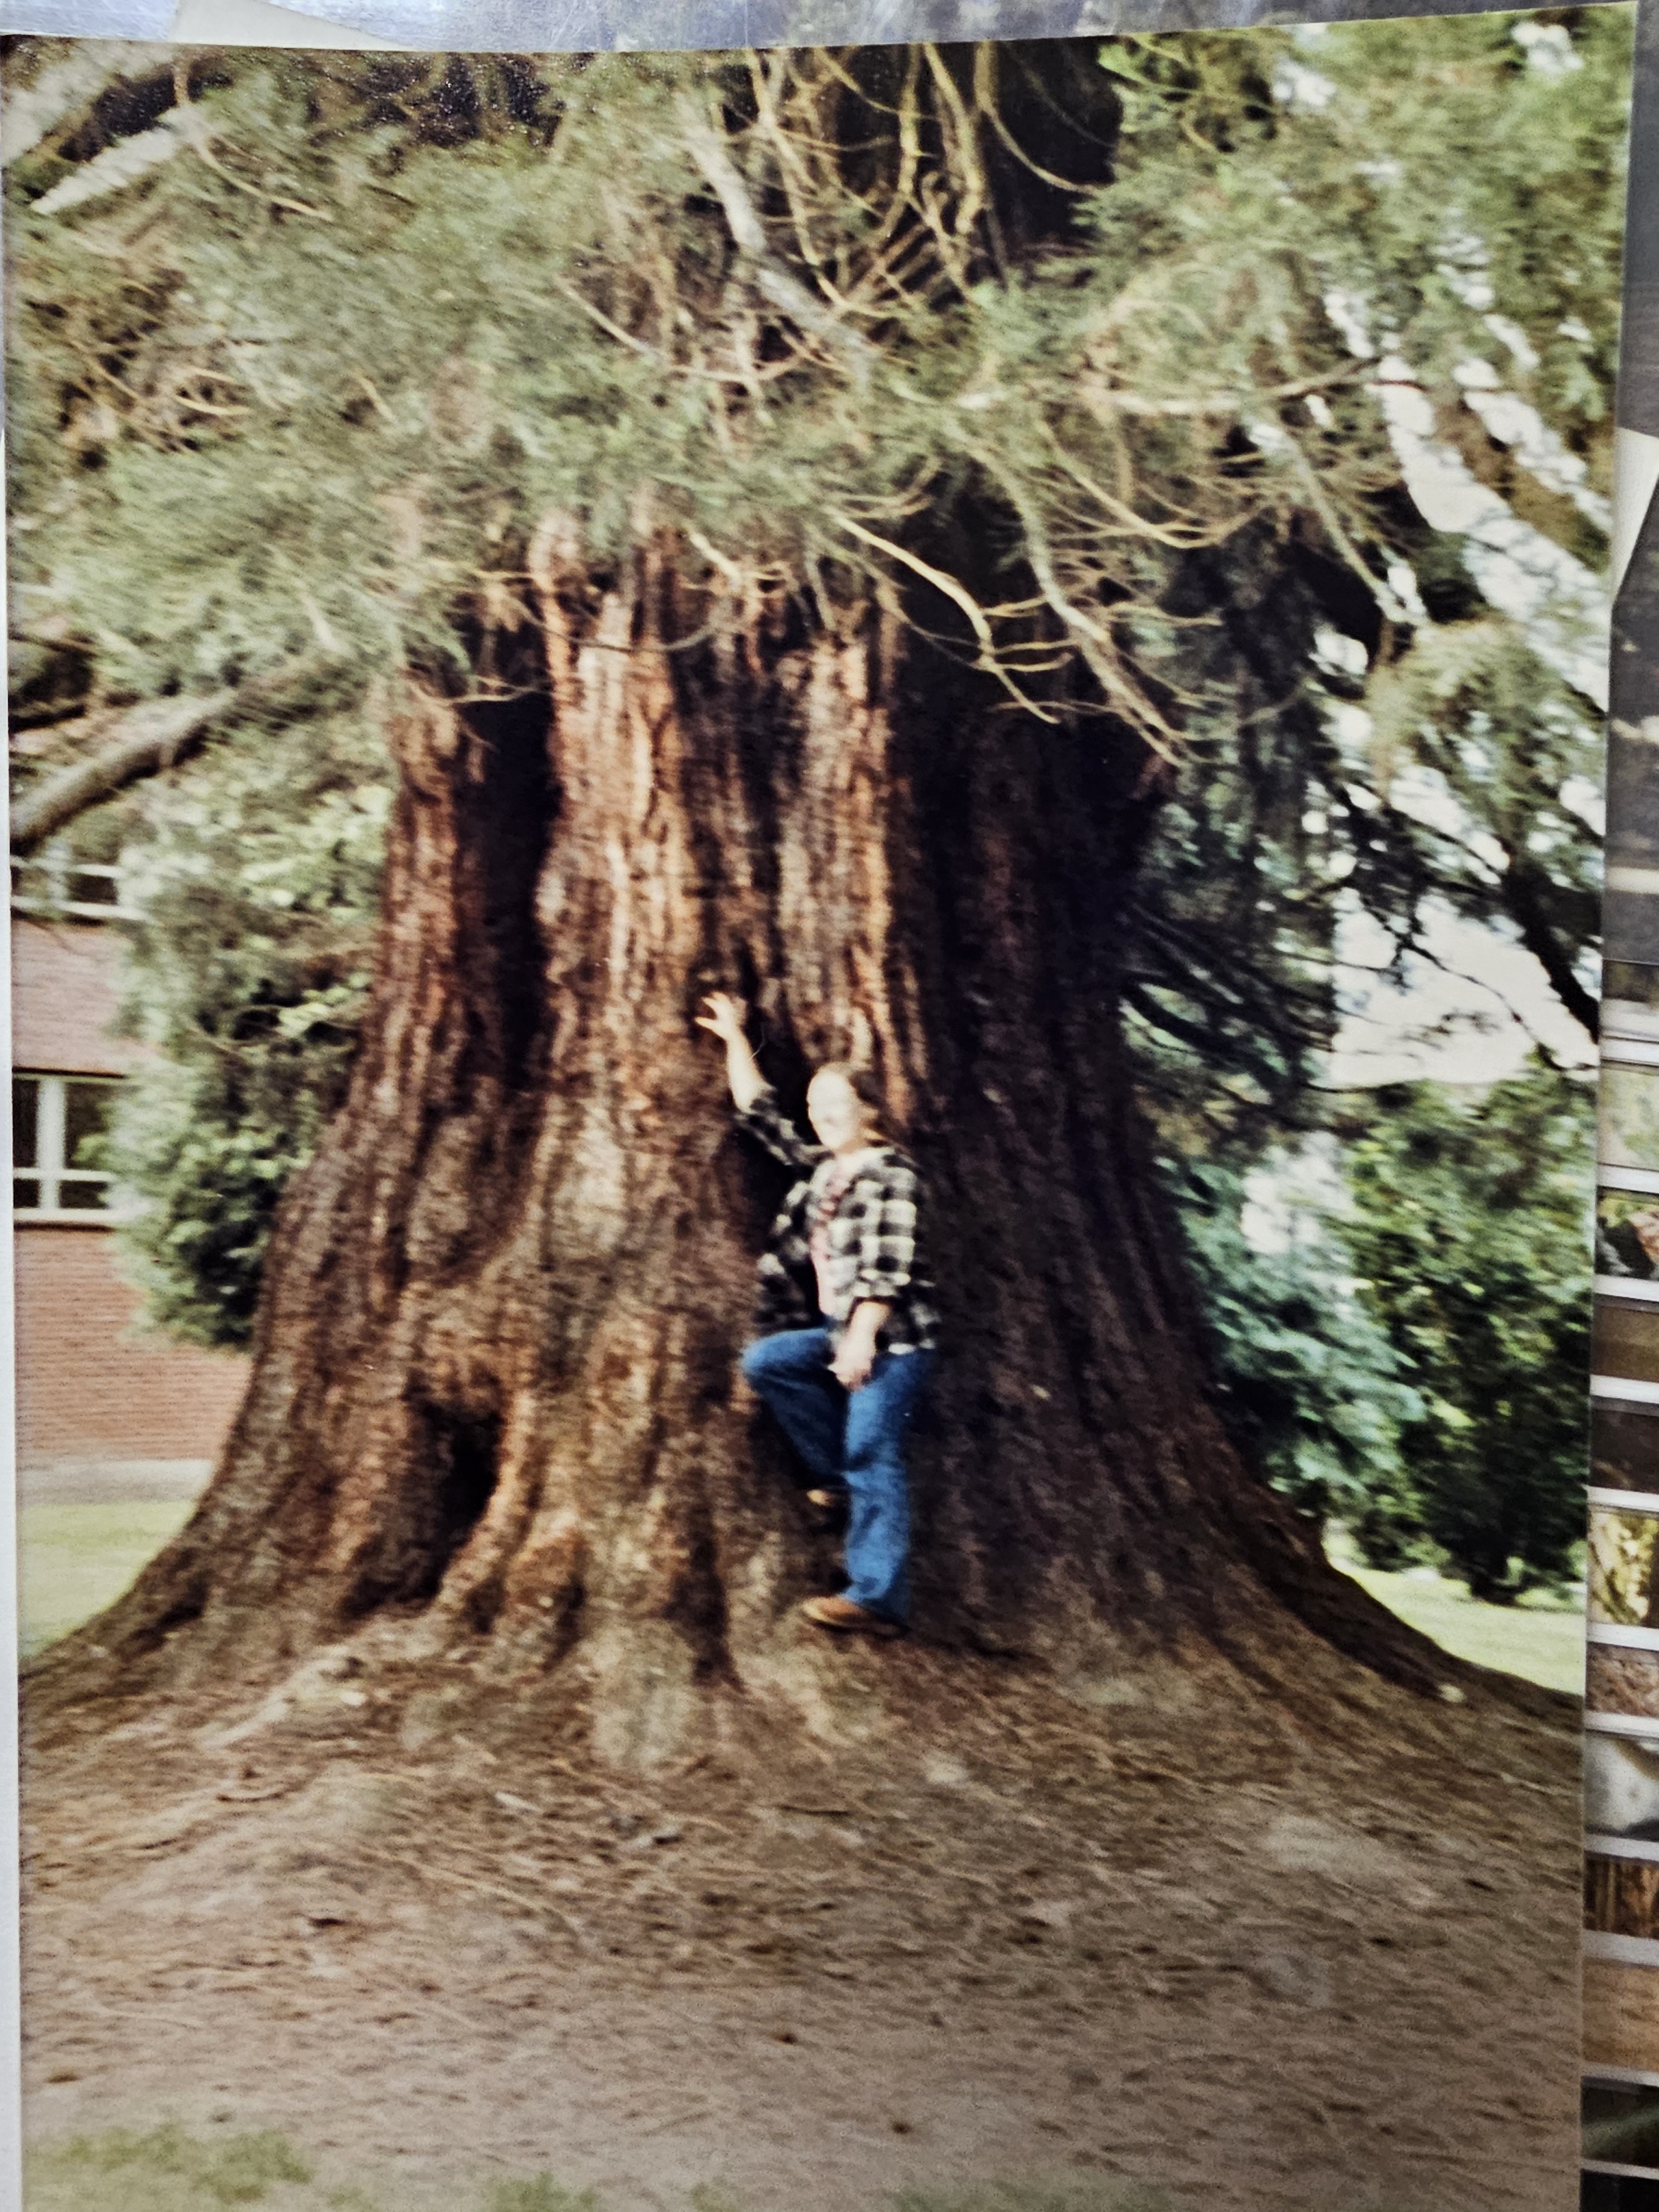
<point>64,997</point>
<point>106,1407</point>
<point>104,1404</point>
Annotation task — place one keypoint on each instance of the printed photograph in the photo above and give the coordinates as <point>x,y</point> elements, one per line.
<point>1627,1238</point>
<point>1630,1002</point>
<point>1618,1682</point>
<point>1630,1114</point>
<point>1621,2141</point>
<point>1621,1888</point>
<point>1623,1446</point>
<point>1621,1576</point>
<point>1621,1783</point>
<point>805,867</point>
<point>1620,2098</point>
<point>1625,1342</point>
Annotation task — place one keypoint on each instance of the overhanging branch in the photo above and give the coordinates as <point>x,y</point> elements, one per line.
<point>144,742</point>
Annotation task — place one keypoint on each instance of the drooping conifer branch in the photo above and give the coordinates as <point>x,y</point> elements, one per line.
<point>144,741</point>
<point>148,739</point>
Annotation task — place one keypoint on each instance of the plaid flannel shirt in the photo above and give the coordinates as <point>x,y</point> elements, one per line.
<point>874,1251</point>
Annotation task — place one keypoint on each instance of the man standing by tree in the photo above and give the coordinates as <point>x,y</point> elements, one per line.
<point>844,1383</point>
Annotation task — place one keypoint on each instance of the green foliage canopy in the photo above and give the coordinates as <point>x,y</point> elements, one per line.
<point>332,365</point>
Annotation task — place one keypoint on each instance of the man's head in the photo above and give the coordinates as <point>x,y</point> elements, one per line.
<point>1646,1225</point>
<point>843,1106</point>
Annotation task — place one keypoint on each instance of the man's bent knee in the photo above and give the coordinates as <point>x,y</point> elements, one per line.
<point>788,1355</point>
<point>753,1363</point>
<point>763,1359</point>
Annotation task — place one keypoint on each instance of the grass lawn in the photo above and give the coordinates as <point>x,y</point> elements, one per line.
<point>1541,1638</point>
<point>168,2171</point>
<point>74,1559</point>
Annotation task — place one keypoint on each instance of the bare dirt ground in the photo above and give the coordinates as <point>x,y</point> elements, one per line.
<point>1259,1963</point>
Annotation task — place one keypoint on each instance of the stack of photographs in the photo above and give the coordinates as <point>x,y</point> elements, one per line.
<point>1621,1718</point>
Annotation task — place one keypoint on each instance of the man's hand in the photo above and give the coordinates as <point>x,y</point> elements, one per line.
<point>856,1354</point>
<point>724,1017</point>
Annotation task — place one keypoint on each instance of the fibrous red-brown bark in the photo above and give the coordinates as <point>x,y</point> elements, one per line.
<point>494,1405</point>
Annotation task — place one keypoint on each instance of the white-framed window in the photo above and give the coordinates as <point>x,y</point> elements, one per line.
<point>53,883</point>
<point>56,1123</point>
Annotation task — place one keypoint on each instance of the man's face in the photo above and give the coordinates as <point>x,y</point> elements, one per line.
<point>839,1116</point>
<point>1646,1225</point>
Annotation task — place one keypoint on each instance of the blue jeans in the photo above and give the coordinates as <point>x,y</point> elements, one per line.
<point>850,1439</point>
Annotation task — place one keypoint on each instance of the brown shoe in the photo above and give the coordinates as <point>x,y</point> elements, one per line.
<point>841,1612</point>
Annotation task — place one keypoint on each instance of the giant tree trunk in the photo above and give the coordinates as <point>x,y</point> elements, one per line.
<point>494,1406</point>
